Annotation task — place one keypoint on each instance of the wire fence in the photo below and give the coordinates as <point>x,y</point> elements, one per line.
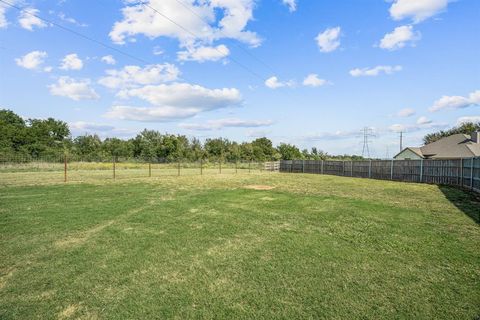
<point>68,168</point>
<point>458,172</point>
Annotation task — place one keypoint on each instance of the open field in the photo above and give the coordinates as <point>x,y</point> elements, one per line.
<point>261,245</point>
<point>53,172</point>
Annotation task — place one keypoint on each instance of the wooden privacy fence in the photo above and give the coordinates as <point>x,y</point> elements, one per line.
<point>272,166</point>
<point>458,172</point>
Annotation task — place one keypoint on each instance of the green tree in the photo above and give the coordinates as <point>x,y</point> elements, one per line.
<point>465,128</point>
<point>146,145</point>
<point>117,148</point>
<point>263,149</point>
<point>217,148</point>
<point>47,137</point>
<point>13,134</point>
<point>246,151</point>
<point>195,151</point>
<point>173,147</point>
<point>289,152</point>
<point>88,147</point>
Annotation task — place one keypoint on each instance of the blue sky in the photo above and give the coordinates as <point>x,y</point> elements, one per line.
<point>313,73</point>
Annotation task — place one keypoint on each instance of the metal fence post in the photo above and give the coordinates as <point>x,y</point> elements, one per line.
<point>351,168</point>
<point>471,172</point>
<point>236,167</point>
<point>114,175</point>
<point>370,169</point>
<point>391,170</point>
<point>220,166</point>
<point>201,167</point>
<point>178,167</point>
<point>322,167</point>
<point>149,170</point>
<point>461,172</point>
<point>421,170</point>
<point>249,166</point>
<point>343,167</point>
<point>303,166</point>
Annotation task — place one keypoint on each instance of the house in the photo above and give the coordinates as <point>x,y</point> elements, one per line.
<point>451,147</point>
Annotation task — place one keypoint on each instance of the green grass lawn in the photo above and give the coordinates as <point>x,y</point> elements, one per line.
<point>216,247</point>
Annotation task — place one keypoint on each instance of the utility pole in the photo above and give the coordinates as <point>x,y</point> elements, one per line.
<point>401,141</point>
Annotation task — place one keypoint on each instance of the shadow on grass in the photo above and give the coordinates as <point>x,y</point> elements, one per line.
<point>465,200</point>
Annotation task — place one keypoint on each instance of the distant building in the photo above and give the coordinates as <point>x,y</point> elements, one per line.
<point>451,147</point>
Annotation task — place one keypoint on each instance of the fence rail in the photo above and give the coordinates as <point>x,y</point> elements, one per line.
<point>458,172</point>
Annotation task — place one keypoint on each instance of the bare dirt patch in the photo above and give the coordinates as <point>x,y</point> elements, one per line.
<point>267,199</point>
<point>82,237</point>
<point>259,187</point>
<point>4,278</point>
<point>68,312</point>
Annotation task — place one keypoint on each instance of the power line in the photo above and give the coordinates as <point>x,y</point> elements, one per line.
<point>76,33</point>
<point>196,36</point>
<point>121,51</point>
<point>221,32</point>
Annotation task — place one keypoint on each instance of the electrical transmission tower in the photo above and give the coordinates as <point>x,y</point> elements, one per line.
<point>367,133</point>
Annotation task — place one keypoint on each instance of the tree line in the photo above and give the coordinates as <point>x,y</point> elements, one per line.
<point>51,138</point>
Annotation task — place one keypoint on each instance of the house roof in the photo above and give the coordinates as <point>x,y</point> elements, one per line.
<point>454,146</point>
<point>475,148</point>
<point>416,150</point>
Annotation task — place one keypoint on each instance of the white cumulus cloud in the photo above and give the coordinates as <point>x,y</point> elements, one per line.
<point>423,120</point>
<point>274,83</point>
<point>28,19</point>
<point>407,112</point>
<point>422,124</point>
<point>74,89</point>
<point>337,135</point>
<point>71,62</point>
<point>150,114</point>
<point>131,76</point>
<point>3,11</point>
<point>109,60</point>
<point>291,4</point>
<point>32,60</point>
<point>90,126</point>
<point>373,72</point>
<point>226,123</point>
<point>174,101</point>
<point>71,20</point>
<point>417,10</point>
<point>456,102</point>
<point>204,53</point>
<point>399,38</point>
<point>218,19</point>
<point>312,80</point>
<point>329,40</point>
<point>465,119</point>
